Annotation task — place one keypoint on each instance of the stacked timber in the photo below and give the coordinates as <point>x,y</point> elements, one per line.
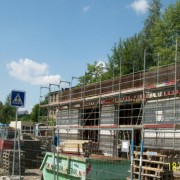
<point>154,166</point>
<point>80,147</point>
<point>45,146</point>
<point>91,148</point>
<point>8,162</point>
<point>73,146</point>
<point>32,150</point>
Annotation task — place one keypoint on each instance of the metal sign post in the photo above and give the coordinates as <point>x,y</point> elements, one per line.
<point>17,100</point>
<point>15,132</point>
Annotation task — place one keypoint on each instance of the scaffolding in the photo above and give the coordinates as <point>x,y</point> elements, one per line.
<point>145,104</point>
<point>142,98</point>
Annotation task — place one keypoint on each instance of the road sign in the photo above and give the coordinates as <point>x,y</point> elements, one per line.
<point>17,98</point>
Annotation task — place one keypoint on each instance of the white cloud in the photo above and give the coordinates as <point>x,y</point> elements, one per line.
<point>32,72</point>
<point>140,6</point>
<point>101,63</point>
<point>86,8</point>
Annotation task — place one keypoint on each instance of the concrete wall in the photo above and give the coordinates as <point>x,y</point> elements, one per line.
<point>107,115</point>
<point>162,111</point>
<point>23,126</point>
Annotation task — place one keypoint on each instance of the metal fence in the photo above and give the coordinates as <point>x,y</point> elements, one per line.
<point>32,155</point>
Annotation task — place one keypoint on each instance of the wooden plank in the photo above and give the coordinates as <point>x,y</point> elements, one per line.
<point>150,168</point>
<point>155,162</point>
<point>145,153</point>
<point>75,141</point>
<point>148,175</point>
<point>151,175</point>
<point>102,157</point>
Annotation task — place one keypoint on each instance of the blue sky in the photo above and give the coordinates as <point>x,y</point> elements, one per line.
<point>45,41</point>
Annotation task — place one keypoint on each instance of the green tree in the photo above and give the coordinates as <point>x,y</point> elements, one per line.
<point>93,73</point>
<point>128,55</point>
<point>9,112</point>
<point>35,113</point>
<point>114,60</point>
<point>1,112</point>
<point>39,113</point>
<point>165,32</point>
<point>157,37</point>
<point>24,117</point>
<point>154,14</point>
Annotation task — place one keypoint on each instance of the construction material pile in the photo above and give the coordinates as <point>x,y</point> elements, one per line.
<point>72,147</point>
<point>31,148</point>
<point>80,147</point>
<point>8,162</point>
<point>91,147</point>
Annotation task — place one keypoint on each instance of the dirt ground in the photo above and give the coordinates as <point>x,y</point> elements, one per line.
<point>30,174</point>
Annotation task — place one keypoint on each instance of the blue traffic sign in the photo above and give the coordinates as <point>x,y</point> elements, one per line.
<point>18,98</point>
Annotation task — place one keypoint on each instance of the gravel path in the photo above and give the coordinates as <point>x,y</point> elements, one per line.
<point>30,174</point>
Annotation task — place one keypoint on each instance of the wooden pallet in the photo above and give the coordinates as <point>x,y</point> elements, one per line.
<point>8,162</point>
<point>153,167</point>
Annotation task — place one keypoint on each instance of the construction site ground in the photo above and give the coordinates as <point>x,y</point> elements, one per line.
<point>30,174</point>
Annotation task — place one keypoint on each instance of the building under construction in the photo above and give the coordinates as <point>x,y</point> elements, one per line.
<point>139,109</point>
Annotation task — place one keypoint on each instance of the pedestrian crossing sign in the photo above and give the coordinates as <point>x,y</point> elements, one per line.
<point>17,98</point>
